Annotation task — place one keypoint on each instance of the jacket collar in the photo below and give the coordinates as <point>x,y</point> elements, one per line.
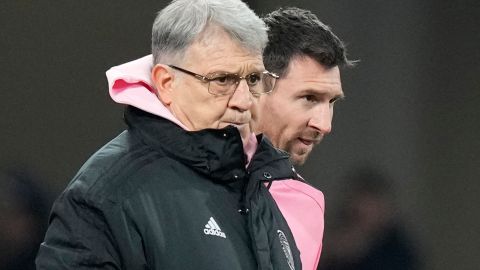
<point>274,163</point>
<point>217,153</point>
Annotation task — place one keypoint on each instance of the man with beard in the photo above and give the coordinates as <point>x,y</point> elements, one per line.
<point>306,55</point>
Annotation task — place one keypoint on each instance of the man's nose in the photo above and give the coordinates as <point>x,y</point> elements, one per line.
<point>321,120</point>
<point>241,99</point>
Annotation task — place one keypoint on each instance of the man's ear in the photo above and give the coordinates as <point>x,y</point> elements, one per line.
<point>162,78</point>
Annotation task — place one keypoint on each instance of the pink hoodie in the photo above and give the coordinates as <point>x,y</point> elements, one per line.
<point>301,204</point>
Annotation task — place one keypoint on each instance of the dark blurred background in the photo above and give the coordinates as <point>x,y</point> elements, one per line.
<point>411,119</point>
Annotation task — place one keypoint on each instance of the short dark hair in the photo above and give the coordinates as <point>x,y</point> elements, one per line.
<point>297,32</point>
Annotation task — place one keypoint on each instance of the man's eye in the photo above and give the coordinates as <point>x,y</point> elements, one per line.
<point>226,79</point>
<point>220,79</point>
<point>333,100</point>
<point>310,98</point>
<point>253,79</point>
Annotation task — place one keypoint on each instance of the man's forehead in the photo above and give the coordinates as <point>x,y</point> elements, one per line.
<point>223,53</point>
<point>306,62</point>
<point>305,73</point>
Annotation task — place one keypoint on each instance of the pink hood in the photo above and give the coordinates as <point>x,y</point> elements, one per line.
<point>130,84</point>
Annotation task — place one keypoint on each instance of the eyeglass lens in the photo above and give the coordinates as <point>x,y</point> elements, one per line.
<point>227,83</point>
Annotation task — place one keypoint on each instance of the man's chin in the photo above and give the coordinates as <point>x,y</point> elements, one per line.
<point>299,153</point>
<point>298,159</point>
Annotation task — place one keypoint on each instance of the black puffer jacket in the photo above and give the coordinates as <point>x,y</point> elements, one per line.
<point>159,197</point>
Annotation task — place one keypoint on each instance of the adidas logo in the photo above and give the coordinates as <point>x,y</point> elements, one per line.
<point>212,228</point>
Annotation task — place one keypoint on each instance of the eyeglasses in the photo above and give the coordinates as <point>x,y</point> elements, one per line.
<point>221,84</point>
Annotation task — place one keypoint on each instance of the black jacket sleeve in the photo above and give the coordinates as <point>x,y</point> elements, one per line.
<point>78,237</point>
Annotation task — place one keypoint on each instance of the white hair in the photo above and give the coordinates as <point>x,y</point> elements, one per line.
<point>182,22</point>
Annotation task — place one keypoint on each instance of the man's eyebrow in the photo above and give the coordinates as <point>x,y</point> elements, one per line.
<point>223,72</point>
<point>321,93</point>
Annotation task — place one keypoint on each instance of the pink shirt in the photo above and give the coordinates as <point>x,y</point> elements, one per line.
<point>303,207</point>
<point>301,204</point>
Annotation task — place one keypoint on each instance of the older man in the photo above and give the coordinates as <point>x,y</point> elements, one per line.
<point>186,185</point>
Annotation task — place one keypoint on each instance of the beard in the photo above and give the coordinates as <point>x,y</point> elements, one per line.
<point>298,155</point>
<point>297,148</point>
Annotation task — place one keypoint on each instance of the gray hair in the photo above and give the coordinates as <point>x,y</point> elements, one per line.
<point>182,22</point>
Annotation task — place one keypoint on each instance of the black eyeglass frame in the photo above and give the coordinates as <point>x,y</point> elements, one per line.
<point>206,79</point>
